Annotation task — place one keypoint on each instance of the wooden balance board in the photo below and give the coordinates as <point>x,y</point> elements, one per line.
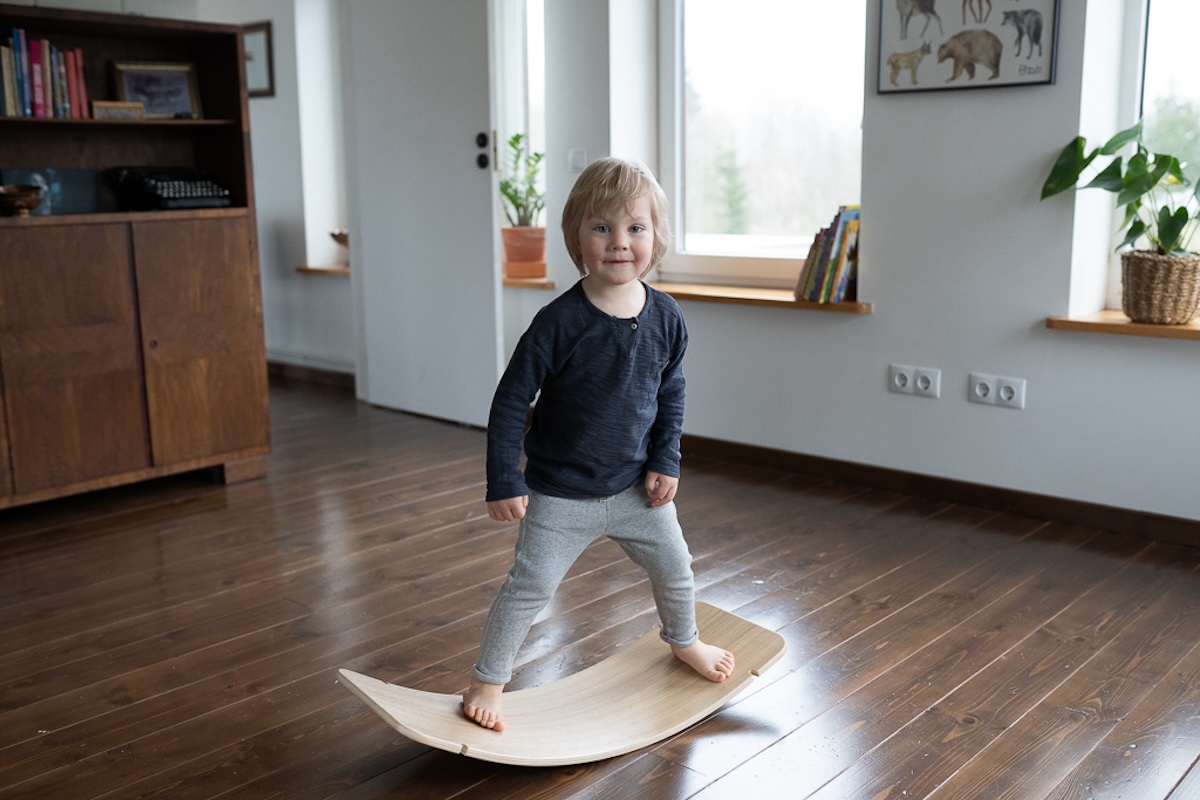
<point>638,696</point>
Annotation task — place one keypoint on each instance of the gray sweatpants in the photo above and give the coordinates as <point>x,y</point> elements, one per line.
<point>554,533</point>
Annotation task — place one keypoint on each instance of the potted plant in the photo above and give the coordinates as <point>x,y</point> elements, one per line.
<point>1160,284</point>
<point>524,240</point>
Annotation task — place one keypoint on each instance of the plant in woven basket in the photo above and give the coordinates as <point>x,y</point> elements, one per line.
<point>1161,284</point>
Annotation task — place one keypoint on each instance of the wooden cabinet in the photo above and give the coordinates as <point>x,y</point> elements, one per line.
<point>69,356</point>
<point>131,343</point>
<point>201,337</point>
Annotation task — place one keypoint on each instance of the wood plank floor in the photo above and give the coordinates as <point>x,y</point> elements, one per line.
<point>179,638</point>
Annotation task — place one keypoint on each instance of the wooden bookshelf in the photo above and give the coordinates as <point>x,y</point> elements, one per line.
<point>131,342</point>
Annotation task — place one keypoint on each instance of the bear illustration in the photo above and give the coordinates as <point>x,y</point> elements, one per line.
<point>970,48</point>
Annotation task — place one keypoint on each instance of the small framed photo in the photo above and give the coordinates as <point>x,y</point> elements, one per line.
<point>108,109</point>
<point>166,91</point>
<point>260,65</point>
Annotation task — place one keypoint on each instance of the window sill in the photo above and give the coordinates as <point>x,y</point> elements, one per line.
<point>751,296</point>
<point>339,270</point>
<point>529,283</point>
<point>1116,322</point>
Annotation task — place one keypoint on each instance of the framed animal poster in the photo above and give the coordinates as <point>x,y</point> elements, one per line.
<point>965,44</point>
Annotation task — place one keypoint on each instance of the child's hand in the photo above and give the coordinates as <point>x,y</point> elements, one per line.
<point>661,488</point>
<point>509,510</point>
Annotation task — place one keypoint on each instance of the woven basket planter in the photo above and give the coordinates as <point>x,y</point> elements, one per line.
<point>1162,290</point>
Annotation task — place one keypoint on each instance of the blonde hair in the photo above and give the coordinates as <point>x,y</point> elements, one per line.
<point>612,183</point>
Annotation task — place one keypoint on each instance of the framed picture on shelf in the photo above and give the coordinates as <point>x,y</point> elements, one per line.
<point>166,91</point>
<point>110,109</point>
<point>920,50</point>
<point>260,65</point>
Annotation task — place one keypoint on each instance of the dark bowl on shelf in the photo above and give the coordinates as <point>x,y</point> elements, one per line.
<point>17,200</point>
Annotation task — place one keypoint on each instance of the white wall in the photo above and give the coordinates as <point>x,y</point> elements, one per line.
<point>963,265</point>
<point>308,319</point>
<point>961,261</point>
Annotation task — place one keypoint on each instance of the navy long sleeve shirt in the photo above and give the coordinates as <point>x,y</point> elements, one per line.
<point>610,406</point>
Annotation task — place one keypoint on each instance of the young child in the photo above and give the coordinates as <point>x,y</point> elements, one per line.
<point>605,362</point>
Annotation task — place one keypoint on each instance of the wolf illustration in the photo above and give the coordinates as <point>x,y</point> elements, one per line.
<point>909,7</point>
<point>1029,25</point>
<point>970,48</point>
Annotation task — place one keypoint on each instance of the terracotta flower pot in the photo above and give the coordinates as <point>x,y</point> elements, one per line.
<point>1162,290</point>
<point>524,252</point>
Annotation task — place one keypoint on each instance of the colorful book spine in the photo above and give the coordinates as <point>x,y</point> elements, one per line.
<point>9,109</point>
<point>64,98</point>
<point>72,86</point>
<point>47,79</point>
<point>81,79</point>
<point>18,75</point>
<point>26,82</point>
<point>847,273</point>
<point>837,253</point>
<point>814,272</point>
<point>36,86</point>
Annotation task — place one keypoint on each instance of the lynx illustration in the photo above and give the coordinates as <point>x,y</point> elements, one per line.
<point>1029,25</point>
<point>909,61</point>
<point>970,48</point>
<point>909,7</point>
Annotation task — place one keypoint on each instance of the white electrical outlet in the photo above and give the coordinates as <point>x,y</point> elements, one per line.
<point>996,390</point>
<point>921,381</point>
<point>981,388</point>
<point>1010,392</point>
<point>900,379</point>
<point>927,382</point>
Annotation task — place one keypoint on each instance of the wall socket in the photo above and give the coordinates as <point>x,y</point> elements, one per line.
<point>996,390</point>
<point>921,381</point>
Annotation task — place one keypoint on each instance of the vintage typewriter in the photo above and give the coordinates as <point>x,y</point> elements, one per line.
<point>156,188</point>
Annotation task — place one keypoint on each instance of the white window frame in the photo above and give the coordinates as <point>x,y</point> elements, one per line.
<point>682,266</point>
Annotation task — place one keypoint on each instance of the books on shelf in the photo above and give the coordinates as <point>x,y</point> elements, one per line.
<point>40,80</point>
<point>829,274</point>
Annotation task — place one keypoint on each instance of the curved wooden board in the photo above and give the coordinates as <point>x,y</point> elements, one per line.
<point>638,696</point>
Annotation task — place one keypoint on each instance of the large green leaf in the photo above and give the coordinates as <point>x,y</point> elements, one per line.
<point>1067,169</point>
<point>1170,228</point>
<point>1133,234</point>
<point>1121,139</point>
<point>1110,179</point>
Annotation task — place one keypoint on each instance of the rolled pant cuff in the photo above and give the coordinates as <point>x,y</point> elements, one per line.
<point>695,637</point>
<point>490,679</point>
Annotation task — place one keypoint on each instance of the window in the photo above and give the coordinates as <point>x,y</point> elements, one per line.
<point>761,134</point>
<point>1170,87</point>
<point>520,63</point>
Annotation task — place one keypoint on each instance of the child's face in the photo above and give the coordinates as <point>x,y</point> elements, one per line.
<point>617,244</point>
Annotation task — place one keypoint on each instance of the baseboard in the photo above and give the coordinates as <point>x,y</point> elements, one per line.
<point>1159,527</point>
<point>296,372</point>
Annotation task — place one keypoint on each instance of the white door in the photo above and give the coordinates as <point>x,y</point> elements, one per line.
<point>421,208</point>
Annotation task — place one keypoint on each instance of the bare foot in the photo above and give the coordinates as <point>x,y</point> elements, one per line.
<point>710,661</point>
<point>481,703</point>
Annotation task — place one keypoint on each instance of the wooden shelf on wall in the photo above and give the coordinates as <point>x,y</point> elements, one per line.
<point>337,270</point>
<point>753,296</point>
<point>1115,322</point>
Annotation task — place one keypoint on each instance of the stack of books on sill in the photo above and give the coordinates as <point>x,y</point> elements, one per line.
<point>40,80</point>
<point>830,272</point>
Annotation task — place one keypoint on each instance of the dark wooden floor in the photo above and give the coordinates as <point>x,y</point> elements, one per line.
<point>179,639</point>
